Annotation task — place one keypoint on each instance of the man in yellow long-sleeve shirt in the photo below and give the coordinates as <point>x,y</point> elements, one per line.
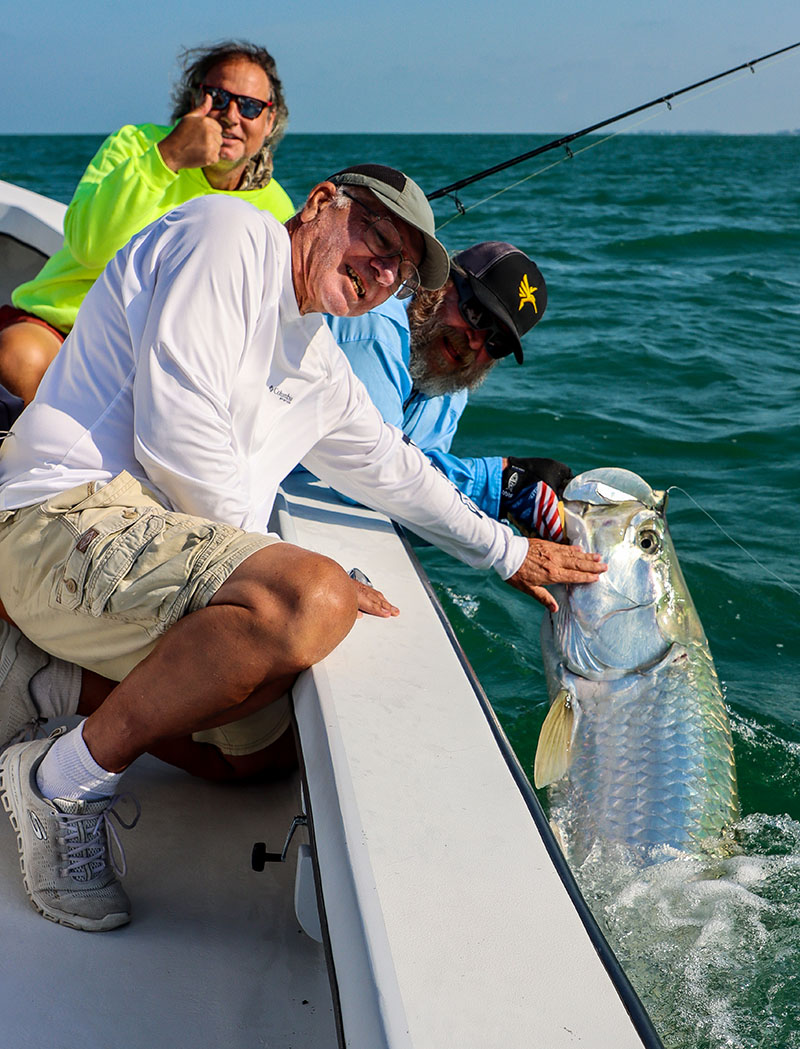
<point>230,113</point>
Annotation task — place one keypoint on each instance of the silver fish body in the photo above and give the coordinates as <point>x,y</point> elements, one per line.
<point>637,744</point>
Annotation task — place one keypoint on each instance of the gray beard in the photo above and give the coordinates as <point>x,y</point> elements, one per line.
<point>429,381</point>
<point>439,385</point>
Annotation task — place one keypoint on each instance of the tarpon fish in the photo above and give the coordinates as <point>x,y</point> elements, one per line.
<point>637,743</point>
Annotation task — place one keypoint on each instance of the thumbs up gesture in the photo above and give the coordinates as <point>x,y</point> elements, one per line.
<point>195,141</point>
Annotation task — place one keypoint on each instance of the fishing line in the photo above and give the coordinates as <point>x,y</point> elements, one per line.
<point>766,568</point>
<point>571,154</point>
<point>451,190</point>
<point>462,210</point>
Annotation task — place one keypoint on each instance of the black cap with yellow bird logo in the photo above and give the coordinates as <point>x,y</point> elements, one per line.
<point>507,284</point>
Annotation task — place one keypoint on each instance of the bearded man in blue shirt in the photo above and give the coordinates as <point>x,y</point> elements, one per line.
<point>420,359</point>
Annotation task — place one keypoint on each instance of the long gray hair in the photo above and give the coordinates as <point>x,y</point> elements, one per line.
<point>197,62</point>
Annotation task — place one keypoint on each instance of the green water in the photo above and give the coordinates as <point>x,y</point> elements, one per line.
<point>670,348</point>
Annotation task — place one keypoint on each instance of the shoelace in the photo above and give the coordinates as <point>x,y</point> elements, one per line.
<point>30,731</point>
<point>91,840</point>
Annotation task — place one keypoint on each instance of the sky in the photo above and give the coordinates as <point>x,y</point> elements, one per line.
<point>89,66</point>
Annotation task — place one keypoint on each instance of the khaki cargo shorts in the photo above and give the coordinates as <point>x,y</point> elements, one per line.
<point>97,574</point>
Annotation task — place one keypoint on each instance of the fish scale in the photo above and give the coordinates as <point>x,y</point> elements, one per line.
<point>637,746</point>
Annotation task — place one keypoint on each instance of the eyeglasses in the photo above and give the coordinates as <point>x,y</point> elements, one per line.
<point>248,107</point>
<point>382,239</point>
<point>498,342</point>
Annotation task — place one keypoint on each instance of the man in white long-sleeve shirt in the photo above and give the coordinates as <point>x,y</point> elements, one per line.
<point>137,487</point>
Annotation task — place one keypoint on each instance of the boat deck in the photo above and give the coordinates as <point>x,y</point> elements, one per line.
<point>214,955</point>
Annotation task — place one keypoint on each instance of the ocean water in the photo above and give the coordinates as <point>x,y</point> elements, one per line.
<point>670,347</point>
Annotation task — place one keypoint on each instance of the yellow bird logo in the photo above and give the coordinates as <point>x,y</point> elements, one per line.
<point>526,293</point>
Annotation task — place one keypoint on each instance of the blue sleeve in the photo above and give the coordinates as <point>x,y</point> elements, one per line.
<point>431,423</point>
<point>480,479</point>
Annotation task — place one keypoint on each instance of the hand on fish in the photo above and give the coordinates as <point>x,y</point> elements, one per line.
<point>554,563</point>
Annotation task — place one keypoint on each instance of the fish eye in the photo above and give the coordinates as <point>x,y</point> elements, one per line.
<point>648,541</point>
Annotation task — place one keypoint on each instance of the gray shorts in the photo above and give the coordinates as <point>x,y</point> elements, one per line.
<point>96,575</point>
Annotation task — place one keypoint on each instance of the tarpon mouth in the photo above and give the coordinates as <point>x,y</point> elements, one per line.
<point>610,486</point>
<point>361,291</point>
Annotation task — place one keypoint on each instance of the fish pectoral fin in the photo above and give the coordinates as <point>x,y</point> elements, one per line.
<point>554,752</point>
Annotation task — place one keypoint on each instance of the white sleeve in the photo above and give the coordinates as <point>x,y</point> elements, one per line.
<point>213,274</point>
<point>374,463</point>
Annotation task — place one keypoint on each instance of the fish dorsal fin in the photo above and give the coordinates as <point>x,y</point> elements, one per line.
<point>554,752</point>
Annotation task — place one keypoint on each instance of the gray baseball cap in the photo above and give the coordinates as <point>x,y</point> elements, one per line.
<point>402,196</point>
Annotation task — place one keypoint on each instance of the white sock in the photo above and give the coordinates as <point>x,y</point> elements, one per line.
<point>56,688</point>
<point>69,771</point>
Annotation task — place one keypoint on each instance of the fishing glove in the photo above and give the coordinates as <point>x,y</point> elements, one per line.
<point>530,493</point>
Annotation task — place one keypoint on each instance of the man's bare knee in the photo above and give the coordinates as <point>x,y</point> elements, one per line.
<point>26,351</point>
<point>322,608</point>
<point>303,604</point>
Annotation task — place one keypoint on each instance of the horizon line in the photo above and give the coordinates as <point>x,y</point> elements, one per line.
<point>406,134</point>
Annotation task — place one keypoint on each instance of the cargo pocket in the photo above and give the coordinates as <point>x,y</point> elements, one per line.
<point>103,556</point>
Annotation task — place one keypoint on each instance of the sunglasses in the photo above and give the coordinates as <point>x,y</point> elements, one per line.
<point>497,342</point>
<point>248,107</point>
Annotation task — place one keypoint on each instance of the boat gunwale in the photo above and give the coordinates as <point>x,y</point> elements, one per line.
<point>630,999</point>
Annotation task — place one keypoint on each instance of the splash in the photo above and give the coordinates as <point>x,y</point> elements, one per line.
<point>712,945</point>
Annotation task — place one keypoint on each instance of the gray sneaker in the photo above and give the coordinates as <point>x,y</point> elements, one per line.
<point>56,689</point>
<point>19,661</point>
<point>65,847</point>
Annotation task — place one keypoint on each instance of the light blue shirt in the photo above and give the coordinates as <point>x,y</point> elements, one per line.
<point>377,346</point>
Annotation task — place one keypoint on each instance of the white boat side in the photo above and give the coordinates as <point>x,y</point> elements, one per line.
<point>448,916</point>
<point>31,229</point>
<point>471,935</point>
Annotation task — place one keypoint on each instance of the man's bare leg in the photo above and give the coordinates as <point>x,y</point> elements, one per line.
<point>203,759</point>
<point>281,611</point>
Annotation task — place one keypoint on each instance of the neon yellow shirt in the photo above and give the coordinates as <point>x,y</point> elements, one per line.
<point>125,188</point>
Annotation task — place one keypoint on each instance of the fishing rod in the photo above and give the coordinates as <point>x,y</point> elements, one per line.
<point>566,139</point>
